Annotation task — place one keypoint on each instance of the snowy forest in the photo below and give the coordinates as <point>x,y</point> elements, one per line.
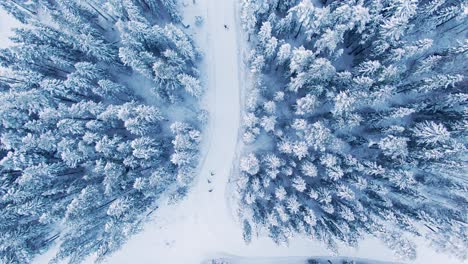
<point>84,154</point>
<point>356,123</point>
<point>223,131</point>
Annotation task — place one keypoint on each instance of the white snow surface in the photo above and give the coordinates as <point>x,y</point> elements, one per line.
<point>202,226</point>
<point>292,260</point>
<point>7,22</point>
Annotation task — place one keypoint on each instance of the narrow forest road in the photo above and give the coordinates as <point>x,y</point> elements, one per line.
<point>224,106</point>
<point>201,225</point>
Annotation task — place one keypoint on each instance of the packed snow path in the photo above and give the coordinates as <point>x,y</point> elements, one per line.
<point>202,224</point>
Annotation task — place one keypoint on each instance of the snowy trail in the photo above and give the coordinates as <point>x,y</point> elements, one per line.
<point>202,225</point>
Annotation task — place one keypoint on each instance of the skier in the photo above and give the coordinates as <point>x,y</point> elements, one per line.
<point>225,26</point>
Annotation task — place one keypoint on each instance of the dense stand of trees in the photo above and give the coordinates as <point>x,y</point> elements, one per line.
<point>83,157</point>
<point>357,121</point>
